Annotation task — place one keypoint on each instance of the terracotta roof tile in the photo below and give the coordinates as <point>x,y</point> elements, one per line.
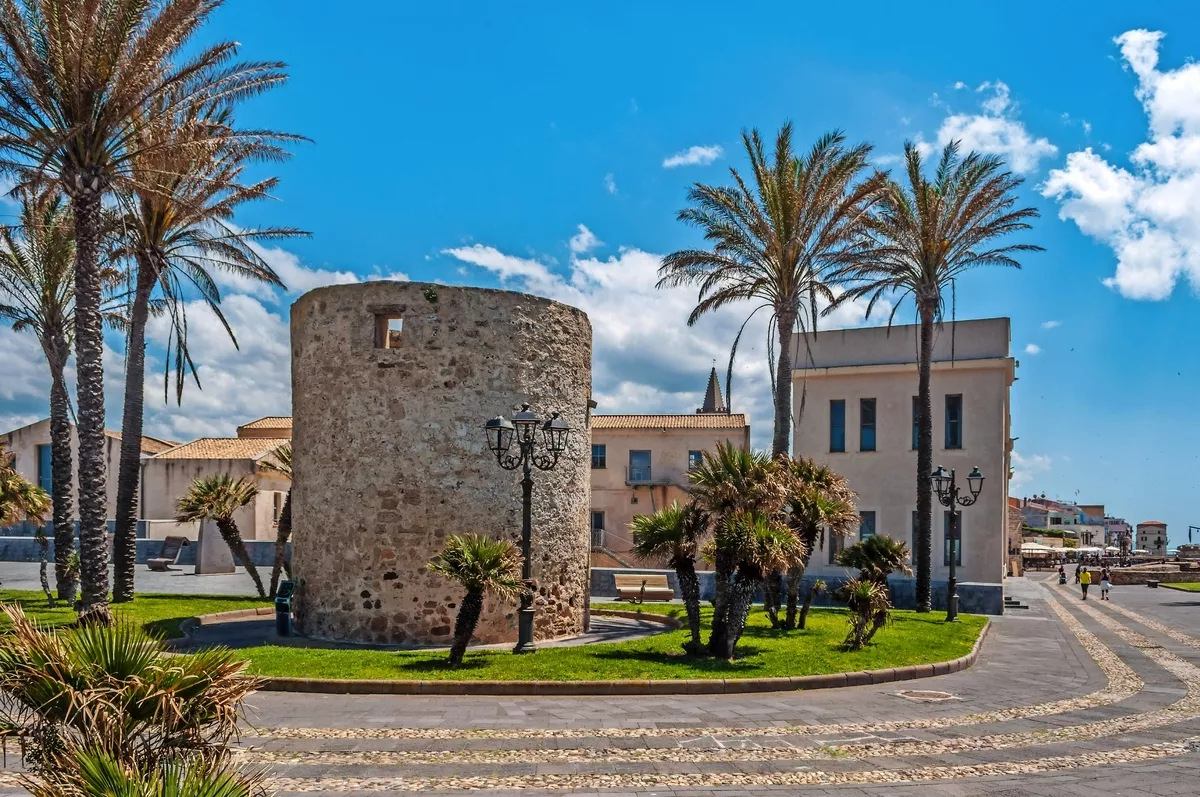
<point>1153,523</point>
<point>695,421</point>
<point>225,448</point>
<point>270,422</point>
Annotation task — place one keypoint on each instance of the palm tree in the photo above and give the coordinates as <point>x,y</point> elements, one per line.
<point>176,231</point>
<point>774,239</point>
<point>870,610</point>
<point>818,586</point>
<point>876,557</point>
<point>820,502</point>
<point>673,534</point>
<point>216,498</point>
<point>481,565</point>
<point>94,773</point>
<point>76,77</point>
<point>729,483</point>
<point>760,544</point>
<point>281,465</point>
<point>922,238</point>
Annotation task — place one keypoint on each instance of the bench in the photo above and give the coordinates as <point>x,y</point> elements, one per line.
<point>641,587</point>
<point>168,554</point>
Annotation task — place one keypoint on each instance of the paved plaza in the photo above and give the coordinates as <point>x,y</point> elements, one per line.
<point>1068,698</point>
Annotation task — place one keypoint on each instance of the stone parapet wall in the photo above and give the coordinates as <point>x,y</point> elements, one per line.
<point>1122,576</point>
<point>390,457</point>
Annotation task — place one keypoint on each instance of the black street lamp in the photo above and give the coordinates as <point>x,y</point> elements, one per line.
<point>948,495</point>
<point>501,434</point>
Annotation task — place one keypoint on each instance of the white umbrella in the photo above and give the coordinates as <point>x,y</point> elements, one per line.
<point>1034,547</point>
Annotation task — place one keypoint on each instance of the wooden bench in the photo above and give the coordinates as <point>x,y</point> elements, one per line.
<point>168,554</point>
<point>640,587</point>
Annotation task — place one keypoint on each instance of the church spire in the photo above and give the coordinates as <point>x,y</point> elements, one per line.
<point>713,401</point>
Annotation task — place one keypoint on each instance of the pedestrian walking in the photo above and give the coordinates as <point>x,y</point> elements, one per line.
<point>1085,581</point>
<point>1105,583</point>
<point>1078,569</point>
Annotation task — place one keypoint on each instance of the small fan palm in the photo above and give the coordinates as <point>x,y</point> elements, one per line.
<point>481,565</point>
<point>216,498</point>
<point>94,774</point>
<point>281,465</point>
<point>673,535</point>
<point>870,610</point>
<point>113,689</point>
<point>923,237</point>
<point>820,501</point>
<point>876,557</point>
<point>774,238</point>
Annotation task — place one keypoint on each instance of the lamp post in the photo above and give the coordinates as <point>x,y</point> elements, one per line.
<point>522,429</point>
<point>948,495</point>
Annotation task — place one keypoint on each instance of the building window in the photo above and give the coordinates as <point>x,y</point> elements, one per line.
<point>389,331</point>
<point>835,543</point>
<point>958,544</point>
<point>695,459</point>
<point>916,441</point>
<point>45,469</point>
<point>837,425</point>
<point>599,456</point>
<point>866,525</point>
<point>866,424</point>
<point>597,529</point>
<point>639,466</point>
<point>954,422</point>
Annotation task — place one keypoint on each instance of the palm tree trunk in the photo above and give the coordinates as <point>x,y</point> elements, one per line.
<point>464,624</point>
<point>89,368</point>
<point>233,538</point>
<point>741,596</point>
<point>808,602</point>
<point>771,597</point>
<point>783,387</point>
<point>60,474</point>
<point>924,541</point>
<point>282,533</point>
<point>722,572</point>
<point>130,469</point>
<point>689,589</point>
<point>795,576</point>
<point>44,544</point>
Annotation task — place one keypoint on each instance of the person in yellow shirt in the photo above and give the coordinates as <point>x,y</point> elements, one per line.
<point>1085,579</point>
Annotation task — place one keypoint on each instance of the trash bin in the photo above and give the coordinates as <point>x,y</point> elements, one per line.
<point>283,608</point>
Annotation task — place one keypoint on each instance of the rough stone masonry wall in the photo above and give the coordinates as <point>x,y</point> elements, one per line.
<point>390,456</point>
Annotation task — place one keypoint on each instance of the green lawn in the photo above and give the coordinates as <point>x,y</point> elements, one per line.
<point>159,614</point>
<point>912,639</point>
<point>1189,586</point>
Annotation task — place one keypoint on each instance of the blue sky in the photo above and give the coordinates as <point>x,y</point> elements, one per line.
<point>468,142</point>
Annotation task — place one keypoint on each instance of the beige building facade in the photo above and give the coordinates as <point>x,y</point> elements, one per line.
<point>859,394</point>
<point>1152,537</point>
<point>640,464</point>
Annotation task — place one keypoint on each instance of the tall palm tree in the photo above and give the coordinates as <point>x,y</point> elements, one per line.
<point>732,482</point>
<point>820,501</point>
<point>774,238</point>
<point>481,565</point>
<point>673,535</point>
<point>177,230</point>
<point>76,76</point>
<point>281,464</point>
<point>922,237</point>
<point>216,498</point>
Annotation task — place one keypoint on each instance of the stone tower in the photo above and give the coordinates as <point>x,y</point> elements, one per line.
<point>391,385</point>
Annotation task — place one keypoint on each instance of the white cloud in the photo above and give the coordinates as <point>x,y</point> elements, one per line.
<point>1144,213</point>
<point>958,84</point>
<point>1051,324</point>
<point>610,183</point>
<point>693,156</point>
<point>1033,348</point>
<point>584,240</point>
<point>995,131</point>
<point>645,356</point>
<point>1026,469</point>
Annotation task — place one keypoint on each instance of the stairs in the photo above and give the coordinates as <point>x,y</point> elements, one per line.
<point>1013,603</point>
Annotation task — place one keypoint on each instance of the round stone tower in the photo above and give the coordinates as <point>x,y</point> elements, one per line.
<point>391,385</point>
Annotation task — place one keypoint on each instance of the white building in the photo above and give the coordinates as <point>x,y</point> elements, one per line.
<point>859,395</point>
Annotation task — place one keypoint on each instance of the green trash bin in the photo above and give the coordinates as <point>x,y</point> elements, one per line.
<point>283,608</point>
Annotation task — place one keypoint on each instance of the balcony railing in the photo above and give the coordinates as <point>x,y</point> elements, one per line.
<point>597,538</point>
<point>638,473</point>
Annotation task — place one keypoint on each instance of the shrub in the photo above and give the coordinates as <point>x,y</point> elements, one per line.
<point>870,610</point>
<point>481,564</point>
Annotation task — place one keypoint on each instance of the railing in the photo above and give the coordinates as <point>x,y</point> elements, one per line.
<point>637,473</point>
<point>597,538</point>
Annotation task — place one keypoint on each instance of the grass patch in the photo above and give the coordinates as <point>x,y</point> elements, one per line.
<point>1186,586</point>
<point>764,652</point>
<point>158,614</point>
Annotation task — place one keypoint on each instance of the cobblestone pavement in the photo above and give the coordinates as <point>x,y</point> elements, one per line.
<point>1068,698</point>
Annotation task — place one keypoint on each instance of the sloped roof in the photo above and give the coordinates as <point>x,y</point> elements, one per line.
<point>270,422</point>
<point>695,421</point>
<point>225,448</point>
<point>150,445</point>
<point>1153,523</point>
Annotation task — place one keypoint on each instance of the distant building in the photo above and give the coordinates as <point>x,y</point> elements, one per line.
<point>640,462</point>
<point>859,399</point>
<point>1152,537</point>
<point>31,446</point>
